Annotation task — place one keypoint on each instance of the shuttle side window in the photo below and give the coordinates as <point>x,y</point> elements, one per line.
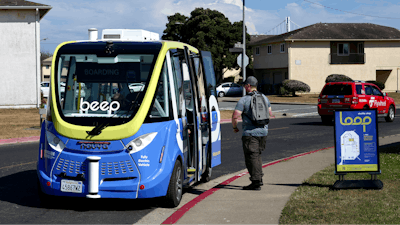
<point>177,74</point>
<point>161,106</point>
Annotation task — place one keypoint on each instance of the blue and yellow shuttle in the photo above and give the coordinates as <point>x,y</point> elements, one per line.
<point>128,117</point>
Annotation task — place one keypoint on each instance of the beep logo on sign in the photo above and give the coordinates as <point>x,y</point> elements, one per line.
<point>103,106</point>
<point>356,121</point>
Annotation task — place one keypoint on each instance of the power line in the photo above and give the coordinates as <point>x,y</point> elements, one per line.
<point>360,14</point>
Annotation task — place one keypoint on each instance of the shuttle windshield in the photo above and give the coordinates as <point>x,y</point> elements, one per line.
<point>107,82</point>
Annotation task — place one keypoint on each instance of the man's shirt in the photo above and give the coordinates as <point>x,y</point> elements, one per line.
<point>247,125</point>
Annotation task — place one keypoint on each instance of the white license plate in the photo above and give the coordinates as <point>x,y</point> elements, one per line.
<point>335,100</point>
<point>71,186</point>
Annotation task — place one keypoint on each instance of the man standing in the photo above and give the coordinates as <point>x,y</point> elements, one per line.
<point>254,137</point>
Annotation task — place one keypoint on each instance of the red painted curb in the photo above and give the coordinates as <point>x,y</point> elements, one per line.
<point>185,208</point>
<point>19,140</point>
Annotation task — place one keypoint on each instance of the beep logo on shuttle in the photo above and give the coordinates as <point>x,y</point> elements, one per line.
<point>356,121</point>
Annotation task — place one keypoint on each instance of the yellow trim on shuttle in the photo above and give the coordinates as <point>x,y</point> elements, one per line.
<point>120,131</point>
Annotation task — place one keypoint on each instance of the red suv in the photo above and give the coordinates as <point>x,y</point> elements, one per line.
<point>354,95</point>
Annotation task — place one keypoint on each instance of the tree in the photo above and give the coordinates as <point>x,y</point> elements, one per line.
<point>208,30</point>
<point>377,83</point>
<point>337,78</point>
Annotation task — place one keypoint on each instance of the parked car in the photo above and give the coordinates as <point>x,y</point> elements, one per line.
<point>44,88</point>
<point>354,95</point>
<point>229,89</point>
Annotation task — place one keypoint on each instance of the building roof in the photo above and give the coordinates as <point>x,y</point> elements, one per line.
<point>22,4</point>
<point>258,37</point>
<point>336,31</point>
<point>48,61</point>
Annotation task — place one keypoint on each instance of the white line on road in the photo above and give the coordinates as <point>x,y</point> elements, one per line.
<point>306,114</point>
<point>284,110</point>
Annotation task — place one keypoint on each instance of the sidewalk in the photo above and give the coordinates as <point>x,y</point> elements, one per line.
<point>228,203</point>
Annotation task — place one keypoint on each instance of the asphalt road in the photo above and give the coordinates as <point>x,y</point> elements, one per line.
<point>300,110</point>
<point>18,192</point>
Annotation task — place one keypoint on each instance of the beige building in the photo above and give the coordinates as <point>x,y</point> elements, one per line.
<point>362,51</point>
<point>46,69</point>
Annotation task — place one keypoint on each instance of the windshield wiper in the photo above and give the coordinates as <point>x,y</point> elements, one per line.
<point>97,129</point>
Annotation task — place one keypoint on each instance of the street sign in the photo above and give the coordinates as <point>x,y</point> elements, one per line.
<point>246,60</point>
<point>236,50</point>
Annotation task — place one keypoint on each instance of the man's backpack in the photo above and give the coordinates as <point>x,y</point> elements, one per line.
<point>259,112</point>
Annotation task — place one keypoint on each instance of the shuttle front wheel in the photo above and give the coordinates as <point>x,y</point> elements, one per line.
<point>175,188</point>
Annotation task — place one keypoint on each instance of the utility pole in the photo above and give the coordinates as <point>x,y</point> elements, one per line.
<point>244,51</point>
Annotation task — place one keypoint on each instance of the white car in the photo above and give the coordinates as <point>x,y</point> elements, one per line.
<point>136,87</point>
<point>44,88</point>
<point>229,88</point>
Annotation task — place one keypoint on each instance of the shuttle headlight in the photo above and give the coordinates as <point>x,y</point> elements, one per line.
<point>141,142</point>
<point>54,142</point>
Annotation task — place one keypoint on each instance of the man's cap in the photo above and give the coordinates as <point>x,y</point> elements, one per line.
<point>252,81</point>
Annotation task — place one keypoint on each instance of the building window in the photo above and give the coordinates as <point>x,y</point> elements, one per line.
<point>360,48</point>
<point>343,49</point>
<point>47,67</point>
<point>269,49</point>
<point>283,48</point>
<point>257,50</point>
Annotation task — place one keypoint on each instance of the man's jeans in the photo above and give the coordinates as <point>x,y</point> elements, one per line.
<point>252,148</point>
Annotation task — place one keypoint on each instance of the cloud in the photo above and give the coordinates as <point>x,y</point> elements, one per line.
<point>70,20</point>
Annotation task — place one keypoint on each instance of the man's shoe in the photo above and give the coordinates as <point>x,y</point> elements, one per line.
<point>261,183</point>
<point>255,185</point>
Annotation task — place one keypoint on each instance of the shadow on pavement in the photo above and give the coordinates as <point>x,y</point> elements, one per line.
<point>21,189</point>
<point>390,148</point>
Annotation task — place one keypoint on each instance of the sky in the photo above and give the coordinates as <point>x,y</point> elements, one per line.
<point>70,19</point>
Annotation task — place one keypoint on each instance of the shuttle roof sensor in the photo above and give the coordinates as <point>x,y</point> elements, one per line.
<point>129,35</point>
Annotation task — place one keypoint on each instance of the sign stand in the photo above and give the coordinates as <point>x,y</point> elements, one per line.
<point>357,148</point>
<point>374,183</point>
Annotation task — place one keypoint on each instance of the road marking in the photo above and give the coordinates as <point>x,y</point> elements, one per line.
<point>21,164</point>
<point>284,110</point>
<point>305,114</point>
<point>280,128</point>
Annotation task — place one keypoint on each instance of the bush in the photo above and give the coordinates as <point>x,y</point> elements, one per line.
<point>283,91</point>
<point>377,83</point>
<point>337,78</point>
<point>294,85</point>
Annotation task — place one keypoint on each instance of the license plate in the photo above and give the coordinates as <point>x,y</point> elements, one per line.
<point>335,100</point>
<point>71,186</point>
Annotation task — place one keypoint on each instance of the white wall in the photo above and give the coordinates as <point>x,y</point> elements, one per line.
<point>18,59</point>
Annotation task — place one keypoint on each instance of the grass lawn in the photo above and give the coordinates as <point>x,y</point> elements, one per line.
<point>314,202</point>
<point>16,123</point>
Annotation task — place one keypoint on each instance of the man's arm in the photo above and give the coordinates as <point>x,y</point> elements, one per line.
<point>235,116</point>
<point>270,113</point>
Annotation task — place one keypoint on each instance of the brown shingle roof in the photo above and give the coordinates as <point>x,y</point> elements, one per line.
<point>337,31</point>
<point>19,3</point>
<point>258,37</point>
